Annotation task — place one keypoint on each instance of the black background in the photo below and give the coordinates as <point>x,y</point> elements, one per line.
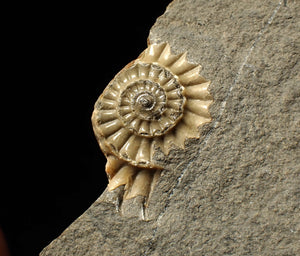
<point>60,57</point>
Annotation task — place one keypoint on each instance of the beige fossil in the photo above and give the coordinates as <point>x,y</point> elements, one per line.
<point>155,101</point>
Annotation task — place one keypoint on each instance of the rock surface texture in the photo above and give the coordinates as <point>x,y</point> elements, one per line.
<point>236,190</point>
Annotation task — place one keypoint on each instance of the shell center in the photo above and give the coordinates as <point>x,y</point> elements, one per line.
<point>151,100</point>
<point>145,101</point>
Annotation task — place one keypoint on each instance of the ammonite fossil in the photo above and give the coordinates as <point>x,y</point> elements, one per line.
<point>155,101</point>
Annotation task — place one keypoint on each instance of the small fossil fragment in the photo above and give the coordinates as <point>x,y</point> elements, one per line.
<point>155,101</point>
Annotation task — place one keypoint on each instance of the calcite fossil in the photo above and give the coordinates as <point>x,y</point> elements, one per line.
<point>155,101</point>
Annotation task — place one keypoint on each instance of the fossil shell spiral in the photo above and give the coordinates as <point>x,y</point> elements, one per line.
<point>155,101</point>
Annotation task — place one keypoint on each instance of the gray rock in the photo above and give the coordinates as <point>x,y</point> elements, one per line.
<point>236,191</point>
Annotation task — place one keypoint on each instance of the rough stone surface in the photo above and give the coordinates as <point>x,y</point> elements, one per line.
<point>236,191</point>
